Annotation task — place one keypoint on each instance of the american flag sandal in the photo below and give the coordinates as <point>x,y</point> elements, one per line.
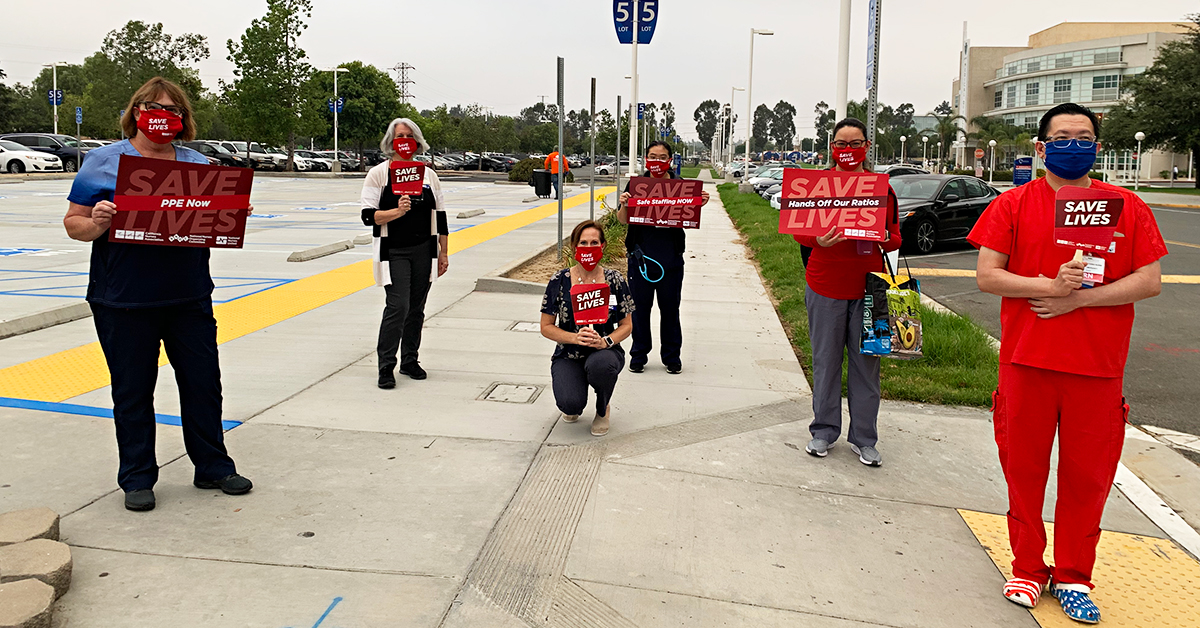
<point>1076,602</point>
<point>1023,592</point>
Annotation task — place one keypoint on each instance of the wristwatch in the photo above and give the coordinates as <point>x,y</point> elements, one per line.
<point>608,341</point>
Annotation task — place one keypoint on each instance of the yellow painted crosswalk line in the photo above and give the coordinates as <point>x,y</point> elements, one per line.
<point>1141,581</point>
<point>73,372</point>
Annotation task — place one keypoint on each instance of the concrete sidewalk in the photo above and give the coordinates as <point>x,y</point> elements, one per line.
<point>433,505</point>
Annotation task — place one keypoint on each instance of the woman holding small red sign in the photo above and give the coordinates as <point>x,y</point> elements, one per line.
<point>586,355</point>
<point>411,237</point>
<point>836,275</point>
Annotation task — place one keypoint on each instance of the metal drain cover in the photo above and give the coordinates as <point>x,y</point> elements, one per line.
<point>511,393</point>
<point>526,326</point>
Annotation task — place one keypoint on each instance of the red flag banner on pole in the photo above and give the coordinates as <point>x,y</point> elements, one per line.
<point>815,201</point>
<point>589,303</point>
<point>665,202</point>
<point>177,203</point>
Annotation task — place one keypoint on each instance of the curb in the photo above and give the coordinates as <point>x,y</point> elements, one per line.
<point>44,319</point>
<point>1174,205</point>
<point>308,255</point>
<point>496,281</point>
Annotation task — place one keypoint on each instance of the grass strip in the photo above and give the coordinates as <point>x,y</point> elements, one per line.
<point>959,367</point>
<point>689,172</point>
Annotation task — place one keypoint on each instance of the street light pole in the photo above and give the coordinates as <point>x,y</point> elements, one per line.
<point>750,99</point>
<point>925,151</point>
<point>843,66</point>
<point>902,139</point>
<point>1137,175</point>
<point>633,104</point>
<point>732,91</point>
<point>337,156</point>
<point>992,169</point>
<point>54,94</point>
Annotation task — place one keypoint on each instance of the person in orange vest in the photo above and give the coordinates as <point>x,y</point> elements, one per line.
<point>552,165</point>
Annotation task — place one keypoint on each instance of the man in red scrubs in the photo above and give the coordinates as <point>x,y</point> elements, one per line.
<point>1062,359</point>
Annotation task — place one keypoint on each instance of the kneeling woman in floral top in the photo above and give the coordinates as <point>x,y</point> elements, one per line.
<point>589,355</point>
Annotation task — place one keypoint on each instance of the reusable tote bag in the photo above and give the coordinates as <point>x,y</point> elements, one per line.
<point>892,315</point>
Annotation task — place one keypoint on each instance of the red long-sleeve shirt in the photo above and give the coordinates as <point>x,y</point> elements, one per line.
<point>838,271</point>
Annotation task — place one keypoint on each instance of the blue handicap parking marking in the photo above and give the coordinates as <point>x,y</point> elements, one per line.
<point>325,615</point>
<point>43,283</point>
<point>268,215</point>
<point>313,209</point>
<point>233,288</point>
<point>8,251</point>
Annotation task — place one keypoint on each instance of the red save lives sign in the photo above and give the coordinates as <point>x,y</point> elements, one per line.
<point>816,201</point>
<point>177,203</point>
<point>589,303</point>
<point>1086,218</point>
<point>665,202</point>
<point>407,177</point>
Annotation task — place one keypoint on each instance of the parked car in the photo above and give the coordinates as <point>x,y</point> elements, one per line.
<point>485,163</point>
<point>610,168</point>
<point>65,147</point>
<point>17,158</point>
<point>89,144</point>
<point>771,191</point>
<point>769,174</point>
<point>937,208</point>
<point>317,161</point>
<point>215,151</point>
<point>895,170</point>
<point>348,163</point>
<point>258,158</point>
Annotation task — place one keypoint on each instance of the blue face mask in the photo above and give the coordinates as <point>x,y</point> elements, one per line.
<point>1070,163</point>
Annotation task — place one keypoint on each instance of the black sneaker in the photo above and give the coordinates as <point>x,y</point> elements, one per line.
<point>140,500</point>
<point>233,484</point>
<point>387,381</point>
<point>414,371</point>
<point>636,368</point>
<point>674,369</point>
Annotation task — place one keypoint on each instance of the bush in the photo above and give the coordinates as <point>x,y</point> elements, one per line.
<point>1164,174</point>
<point>523,171</point>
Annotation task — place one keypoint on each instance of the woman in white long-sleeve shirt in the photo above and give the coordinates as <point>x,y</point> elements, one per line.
<point>411,237</point>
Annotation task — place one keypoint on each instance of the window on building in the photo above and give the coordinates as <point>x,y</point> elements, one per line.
<point>1108,56</point>
<point>1065,61</point>
<point>1034,65</point>
<point>955,96</point>
<point>1011,95</point>
<point>1031,122</point>
<point>999,100</point>
<point>1062,90</point>
<point>1032,91</point>
<point>1106,87</point>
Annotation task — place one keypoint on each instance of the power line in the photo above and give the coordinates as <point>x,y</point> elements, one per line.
<point>403,81</point>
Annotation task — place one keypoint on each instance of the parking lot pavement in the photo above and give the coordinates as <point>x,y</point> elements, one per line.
<point>1164,350</point>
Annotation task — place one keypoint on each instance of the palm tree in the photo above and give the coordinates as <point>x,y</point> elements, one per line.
<point>947,130</point>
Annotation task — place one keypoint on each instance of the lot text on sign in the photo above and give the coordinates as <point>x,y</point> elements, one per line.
<point>665,202</point>
<point>1086,218</point>
<point>177,203</point>
<point>816,201</point>
<point>589,303</point>
<point>407,177</point>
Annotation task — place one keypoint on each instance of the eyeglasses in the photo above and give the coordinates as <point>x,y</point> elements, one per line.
<point>1065,142</point>
<point>153,106</point>
<point>854,144</point>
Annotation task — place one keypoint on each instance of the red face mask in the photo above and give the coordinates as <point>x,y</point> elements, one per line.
<point>159,125</point>
<point>849,158</point>
<point>658,167</point>
<point>405,147</point>
<point>589,256</point>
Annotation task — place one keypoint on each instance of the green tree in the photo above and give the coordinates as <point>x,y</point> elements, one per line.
<point>706,120</point>
<point>764,118</point>
<point>1162,101</point>
<point>268,93</point>
<point>783,125</point>
<point>372,101</point>
<point>824,123</point>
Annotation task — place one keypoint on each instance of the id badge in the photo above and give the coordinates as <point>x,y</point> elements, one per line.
<point>1093,270</point>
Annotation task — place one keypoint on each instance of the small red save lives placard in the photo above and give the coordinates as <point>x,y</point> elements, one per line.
<point>177,203</point>
<point>665,202</point>
<point>1086,218</point>
<point>407,177</point>
<point>815,201</point>
<point>589,303</point>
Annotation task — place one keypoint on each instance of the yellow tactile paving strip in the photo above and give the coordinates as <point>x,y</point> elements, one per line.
<point>1140,581</point>
<point>73,372</point>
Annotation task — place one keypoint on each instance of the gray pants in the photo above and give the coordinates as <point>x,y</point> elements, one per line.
<point>571,379</point>
<point>404,309</point>
<point>834,327</point>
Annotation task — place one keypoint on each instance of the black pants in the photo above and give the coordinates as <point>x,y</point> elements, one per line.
<point>130,340</point>
<point>404,309</point>
<point>669,291</point>
<point>571,379</point>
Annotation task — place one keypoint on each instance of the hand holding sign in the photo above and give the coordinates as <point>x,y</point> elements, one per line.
<point>589,303</point>
<point>818,201</point>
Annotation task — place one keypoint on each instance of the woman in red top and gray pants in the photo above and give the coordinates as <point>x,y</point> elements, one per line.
<point>837,277</point>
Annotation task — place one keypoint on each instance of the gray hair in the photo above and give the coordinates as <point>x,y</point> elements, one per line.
<point>386,145</point>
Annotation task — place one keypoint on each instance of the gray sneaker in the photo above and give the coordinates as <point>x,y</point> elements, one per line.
<point>867,455</point>
<point>817,447</point>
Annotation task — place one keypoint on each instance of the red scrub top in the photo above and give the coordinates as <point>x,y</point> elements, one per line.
<point>1092,341</point>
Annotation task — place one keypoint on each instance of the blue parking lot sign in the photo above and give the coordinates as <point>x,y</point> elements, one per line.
<point>338,104</point>
<point>55,96</point>
<point>641,110</point>
<point>623,19</point>
<point>79,115</point>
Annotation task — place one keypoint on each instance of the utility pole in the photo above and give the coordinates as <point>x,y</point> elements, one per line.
<point>592,178</point>
<point>617,163</point>
<point>562,174</point>
<point>403,81</point>
<point>633,103</point>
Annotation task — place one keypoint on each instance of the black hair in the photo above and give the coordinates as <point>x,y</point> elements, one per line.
<point>670,153</point>
<point>1067,108</point>
<point>851,122</point>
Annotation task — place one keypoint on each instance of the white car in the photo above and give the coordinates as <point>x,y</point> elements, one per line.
<point>776,198</point>
<point>17,158</point>
<point>94,143</point>
<point>609,167</point>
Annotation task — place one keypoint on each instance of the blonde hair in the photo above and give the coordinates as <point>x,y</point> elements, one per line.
<point>150,91</point>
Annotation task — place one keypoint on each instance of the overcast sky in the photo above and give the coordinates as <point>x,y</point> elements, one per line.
<point>502,54</point>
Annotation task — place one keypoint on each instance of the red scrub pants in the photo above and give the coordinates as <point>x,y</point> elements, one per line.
<point>1089,414</point>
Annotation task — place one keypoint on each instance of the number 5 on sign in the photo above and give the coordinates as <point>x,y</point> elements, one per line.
<point>623,19</point>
